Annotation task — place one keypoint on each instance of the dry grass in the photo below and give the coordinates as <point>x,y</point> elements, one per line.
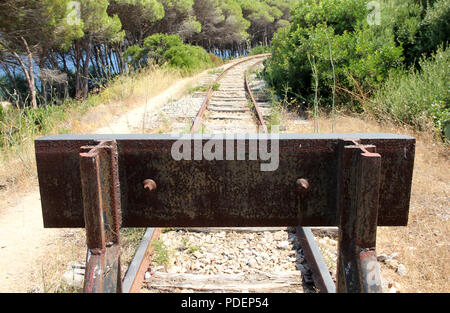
<point>124,94</point>
<point>423,245</point>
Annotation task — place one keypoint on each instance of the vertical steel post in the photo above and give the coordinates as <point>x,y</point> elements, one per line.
<point>101,202</point>
<point>357,269</point>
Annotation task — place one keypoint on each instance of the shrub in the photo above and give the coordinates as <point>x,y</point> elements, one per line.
<point>416,97</point>
<point>434,28</point>
<point>157,45</point>
<point>163,49</point>
<point>259,50</point>
<point>188,58</point>
<point>361,58</point>
<point>152,51</point>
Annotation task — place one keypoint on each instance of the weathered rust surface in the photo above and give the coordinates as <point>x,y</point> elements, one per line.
<point>359,194</point>
<point>222,193</point>
<point>101,202</point>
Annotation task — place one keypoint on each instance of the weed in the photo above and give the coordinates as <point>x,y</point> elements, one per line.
<point>161,253</point>
<point>198,89</point>
<point>216,86</point>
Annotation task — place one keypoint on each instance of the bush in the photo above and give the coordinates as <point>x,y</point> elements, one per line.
<point>157,45</point>
<point>416,97</point>
<point>163,49</point>
<point>363,55</point>
<point>259,50</point>
<point>152,51</point>
<point>434,28</point>
<point>361,58</point>
<point>188,58</point>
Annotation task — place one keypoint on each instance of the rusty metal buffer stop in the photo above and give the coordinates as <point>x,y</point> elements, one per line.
<point>104,182</point>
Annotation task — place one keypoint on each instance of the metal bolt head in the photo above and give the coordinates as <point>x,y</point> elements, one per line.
<point>149,184</point>
<point>302,186</point>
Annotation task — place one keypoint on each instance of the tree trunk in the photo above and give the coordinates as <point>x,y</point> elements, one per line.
<point>78,83</point>
<point>13,80</point>
<point>85,85</point>
<point>31,84</point>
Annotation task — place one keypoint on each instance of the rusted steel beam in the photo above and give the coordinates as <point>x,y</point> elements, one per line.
<point>359,194</point>
<point>101,202</point>
<point>222,193</point>
<point>132,283</point>
<point>320,273</point>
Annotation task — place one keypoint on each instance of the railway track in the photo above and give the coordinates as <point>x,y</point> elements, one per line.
<point>230,106</point>
<point>226,107</point>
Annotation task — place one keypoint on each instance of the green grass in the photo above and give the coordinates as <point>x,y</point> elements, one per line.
<point>161,253</point>
<point>198,89</point>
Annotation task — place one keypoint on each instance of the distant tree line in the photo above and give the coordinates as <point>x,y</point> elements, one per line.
<point>54,49</point>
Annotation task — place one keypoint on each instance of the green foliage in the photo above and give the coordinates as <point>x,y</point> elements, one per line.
<point>188,58</point>
<point>152,51</point>
<point>136,15</point>
<point>434,28</point>
<point>360,58</point>
<point>163,49</point>
<point>161,253</point>
<point>341,15</point>
<point>98,25</point>
<point>364,61</point>
<point>417,97</point>
<point>260,50</point>
<point>157,45</point>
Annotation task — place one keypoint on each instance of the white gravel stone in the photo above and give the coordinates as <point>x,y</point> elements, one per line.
<point>393,255</point>
<point>74,278</point>
<point>401,270</point>
<point>382,257</point>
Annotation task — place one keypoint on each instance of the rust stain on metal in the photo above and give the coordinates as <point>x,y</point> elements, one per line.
<point>221,193</point>
<point>302,186</point>
<point>149,184</point>
<point>101,203</point>
<point>359,195</point>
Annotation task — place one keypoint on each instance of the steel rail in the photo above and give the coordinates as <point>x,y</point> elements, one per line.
<point>320,273</point>
<point>132,282</point>
<point>252,97</point>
